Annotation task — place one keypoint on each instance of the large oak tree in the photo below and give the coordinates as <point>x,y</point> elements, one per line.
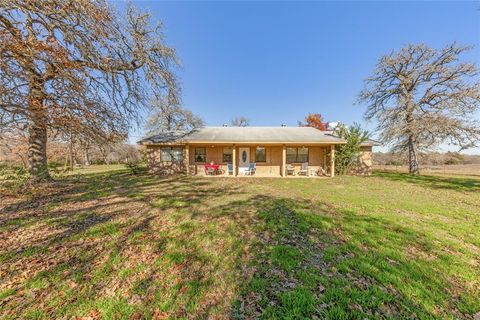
<point>78,66</point>
<point>422,97</point>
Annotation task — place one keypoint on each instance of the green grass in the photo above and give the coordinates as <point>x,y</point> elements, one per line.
<point>285,257</point>
<point>103,243</point>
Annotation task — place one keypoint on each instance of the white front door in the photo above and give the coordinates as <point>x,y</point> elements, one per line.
<point>244,162</point>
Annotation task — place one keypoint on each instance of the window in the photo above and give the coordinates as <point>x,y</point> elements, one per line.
<point>171,154</point>
<point>302,155</point>
<point>227,154</point>
<point>200,155</point>
<point>297,155</point>
<point>291,155</point>
<point>260,154</point>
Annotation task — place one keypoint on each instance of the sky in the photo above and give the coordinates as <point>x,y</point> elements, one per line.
<point>275,62</point>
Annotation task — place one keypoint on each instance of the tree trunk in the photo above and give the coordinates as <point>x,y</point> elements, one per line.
<point>70,151</point>
<point>103,151</point>
<point>412,156</point>
<point>87,156</point>
<point>37,134</point>
<point>65,166</point>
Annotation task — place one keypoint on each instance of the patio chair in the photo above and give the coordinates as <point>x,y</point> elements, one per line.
<point>251,169</point>
<point>290,170</point>
<point>304,169</point>
<point>230,168</point>
<point>209,171</point>
<point>321,172</point>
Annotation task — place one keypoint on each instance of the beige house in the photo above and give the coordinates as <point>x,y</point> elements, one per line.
<point>240,151</point>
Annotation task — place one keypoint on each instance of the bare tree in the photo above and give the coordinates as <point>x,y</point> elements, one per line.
<point>240,121</point>
<point>422,97</point>
<point>77,64</point>
<point>87,139</point>
<point>166,116</point>
<point>13,147</point>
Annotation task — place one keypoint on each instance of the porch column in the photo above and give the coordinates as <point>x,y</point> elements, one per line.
<point>284,161</point>
<point>324,165</point>
<point>234,160</point>
<point>186,159</point>
<point>332,160</point>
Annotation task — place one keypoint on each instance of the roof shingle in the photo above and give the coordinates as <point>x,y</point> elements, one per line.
<point>245,135</point>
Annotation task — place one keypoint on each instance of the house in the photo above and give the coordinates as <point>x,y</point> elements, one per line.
<point>275,151</point>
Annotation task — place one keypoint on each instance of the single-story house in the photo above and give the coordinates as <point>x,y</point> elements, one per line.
<point>235,151</point>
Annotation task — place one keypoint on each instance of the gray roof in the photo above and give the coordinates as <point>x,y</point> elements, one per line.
<point>371,142</point>
<point>165,137</point>
<point>245,135</point>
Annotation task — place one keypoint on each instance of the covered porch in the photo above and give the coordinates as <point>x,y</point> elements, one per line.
<point>238,160</point>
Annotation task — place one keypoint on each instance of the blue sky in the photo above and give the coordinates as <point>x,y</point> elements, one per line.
<point>274,62</point>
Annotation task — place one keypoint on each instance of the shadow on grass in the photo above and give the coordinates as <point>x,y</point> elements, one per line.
<point>304,267</point>
<point>99,198</point>
<point>75,233</point>
<point>435,182</point>
<point>124,246</point>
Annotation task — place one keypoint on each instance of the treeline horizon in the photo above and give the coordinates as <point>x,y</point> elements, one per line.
<point>426,158</point>
<point>65,154</point>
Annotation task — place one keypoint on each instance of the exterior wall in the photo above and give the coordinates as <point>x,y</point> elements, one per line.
<point>271,167</point>
<point>155,165</point>
<point>364,166</point>
<point>317,158</point>
<point>273,163</point>
<point>214,154</point>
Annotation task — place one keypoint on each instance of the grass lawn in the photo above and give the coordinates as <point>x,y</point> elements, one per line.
<point>108,244</point>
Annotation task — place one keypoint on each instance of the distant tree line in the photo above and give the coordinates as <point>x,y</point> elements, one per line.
<point>67,153</point>
<point>425,158</point>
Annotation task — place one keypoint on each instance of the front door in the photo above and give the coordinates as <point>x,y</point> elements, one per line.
<point>244,160</point>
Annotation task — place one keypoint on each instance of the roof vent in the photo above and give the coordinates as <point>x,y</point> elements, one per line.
<point>224,125</point>
<point>283,125</point>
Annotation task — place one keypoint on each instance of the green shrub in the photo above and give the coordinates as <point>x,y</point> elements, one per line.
<point>346,155</point>
<point>454,158</point>
<point>135,167</point>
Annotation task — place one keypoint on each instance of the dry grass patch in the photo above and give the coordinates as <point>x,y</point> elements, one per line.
<point>114,245</point>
